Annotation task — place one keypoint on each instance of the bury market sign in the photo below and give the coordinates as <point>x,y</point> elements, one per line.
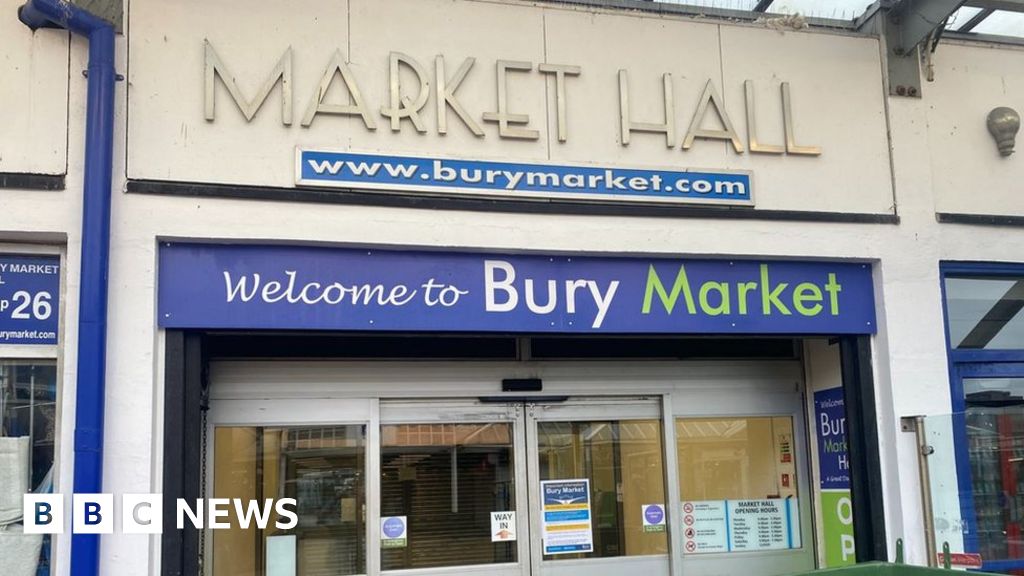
<point>319,288</point>
<point>29,295</point>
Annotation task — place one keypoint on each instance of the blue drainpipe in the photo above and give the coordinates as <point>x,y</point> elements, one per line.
<point>92,311</point>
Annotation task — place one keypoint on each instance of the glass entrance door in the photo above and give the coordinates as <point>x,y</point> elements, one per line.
<point>517,488</point>
<point>597,482</point>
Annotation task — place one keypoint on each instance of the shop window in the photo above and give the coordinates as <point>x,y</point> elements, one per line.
<point>737,479</point>
<point>323,469</point>
<point>623,460</point>
<point>443,481</point>
<point>995,438</point>
<point>28,416</point>
<point>985,312</point>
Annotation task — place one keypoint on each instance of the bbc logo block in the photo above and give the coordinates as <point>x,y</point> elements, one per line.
<point>144,513</point>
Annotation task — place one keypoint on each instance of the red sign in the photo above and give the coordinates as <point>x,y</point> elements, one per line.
<point>961,559</point>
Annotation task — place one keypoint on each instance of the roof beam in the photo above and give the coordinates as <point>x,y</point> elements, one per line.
<point>762,5</point>
<point>975,20</point>
<point>914,21</point>
<point>1011,5</point>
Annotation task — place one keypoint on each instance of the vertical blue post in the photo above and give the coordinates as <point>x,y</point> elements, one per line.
<point>92,314</point>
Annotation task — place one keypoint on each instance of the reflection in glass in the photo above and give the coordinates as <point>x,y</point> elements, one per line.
<point>985,313</point>
<point>624,462</point>
<point>323,468</point>
<point>736,458</point>
<point>446,479</point>
<point>28,409</point>
<point>995,439</point>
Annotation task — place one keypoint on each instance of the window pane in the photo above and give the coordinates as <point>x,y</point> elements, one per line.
<point>995,439</point>
<point>28,408</point>
<point>985,313</point>
<point>323,469</point>
<point>737,480</point>
<point>446,479</point>
<point>624,462</point>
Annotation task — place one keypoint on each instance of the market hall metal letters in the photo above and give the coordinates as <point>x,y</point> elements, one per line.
<point>513,125</point>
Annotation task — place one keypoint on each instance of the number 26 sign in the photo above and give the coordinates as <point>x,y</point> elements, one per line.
<point>29,299</point>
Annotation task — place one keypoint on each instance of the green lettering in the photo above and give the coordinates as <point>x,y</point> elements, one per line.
<point>833,288</point>
<point>745,287</point>
<point>682,284</point>
<point>770,297</point>
<point>807,292</point>
<point>723,292</point>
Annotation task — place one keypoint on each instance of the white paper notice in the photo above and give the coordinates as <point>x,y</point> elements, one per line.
<point>760,524</point>
<point>393,532</point>
<point>716,526</point>
<point>281,555</point>
<point>503,526</point>
<point>704,527</point>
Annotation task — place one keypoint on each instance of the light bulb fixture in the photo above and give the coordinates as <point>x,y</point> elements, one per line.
<point>1004,123</point>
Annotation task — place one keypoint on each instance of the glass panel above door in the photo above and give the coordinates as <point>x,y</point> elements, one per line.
<point>441,482</point>
<point>984,313</point>
<point>623,462</point>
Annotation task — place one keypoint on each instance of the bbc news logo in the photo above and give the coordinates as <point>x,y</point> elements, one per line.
<point>144,513</point>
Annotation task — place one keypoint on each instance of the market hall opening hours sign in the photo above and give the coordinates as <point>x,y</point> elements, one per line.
<point>319,288</point>
<point>29,294</point>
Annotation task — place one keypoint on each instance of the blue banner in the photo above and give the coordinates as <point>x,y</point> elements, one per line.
<point>318,288</point>
<point>419,174</point>
<point>830,423</point>
<point>29,299</point>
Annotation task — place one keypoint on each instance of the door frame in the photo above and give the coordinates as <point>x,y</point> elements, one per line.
<point>300,413</point>
<point>588,384</point>
<point>589,408</point>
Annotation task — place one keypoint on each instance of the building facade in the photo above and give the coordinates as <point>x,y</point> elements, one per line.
<point>502,287</point>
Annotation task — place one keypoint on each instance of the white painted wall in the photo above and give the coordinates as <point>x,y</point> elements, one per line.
<point>34,96</point>
<point>971,80</point>
<point>840,108</point>
<point>168,139</point>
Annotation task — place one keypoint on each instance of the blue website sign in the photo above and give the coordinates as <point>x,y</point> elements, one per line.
<point>29,299</point>
<point>433,175</point>
<point>830,422</point>
<point>319,288</point>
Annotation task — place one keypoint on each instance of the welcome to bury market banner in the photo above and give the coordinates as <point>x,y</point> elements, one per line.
<point>321,288</point>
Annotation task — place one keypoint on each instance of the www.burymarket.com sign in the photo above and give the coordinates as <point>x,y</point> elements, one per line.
<point>315,288</point>
<point>520,180</point>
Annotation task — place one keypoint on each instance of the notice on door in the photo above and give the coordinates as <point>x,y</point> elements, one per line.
<point>567,518</point>
<point>393,532</point>
<point>503,526</point>
<point>716,526</point>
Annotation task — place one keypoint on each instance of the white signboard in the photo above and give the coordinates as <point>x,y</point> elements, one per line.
<point>716,526</point>
<point>567,519</point>
<point>759,525</point>
<point>503,526</point>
